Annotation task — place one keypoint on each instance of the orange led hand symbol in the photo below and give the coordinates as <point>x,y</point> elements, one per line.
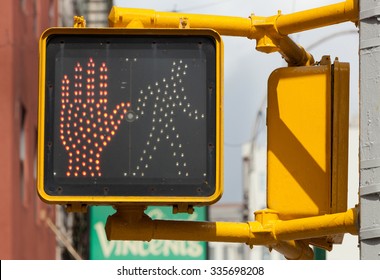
<point>86,124</point>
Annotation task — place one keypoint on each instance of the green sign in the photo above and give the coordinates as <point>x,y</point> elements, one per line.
<point>102,249</point>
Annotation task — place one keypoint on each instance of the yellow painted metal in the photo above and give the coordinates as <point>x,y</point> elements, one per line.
<point>299,157</point>
<point>259,28</point>
<point>307,140</point>
<point>79,203</point>
<point>318,17</point>
<point>79,22</point>
<point>237,26</point>
<point>294,250</point>
<point>224,25</point>
<point>269,32</point>
<point>132,224</point>
<point>340,136</point>
<point>320,226</point>
<point>288,237</point>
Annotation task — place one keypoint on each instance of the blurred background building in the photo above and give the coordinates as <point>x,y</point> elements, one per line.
<point>24,233</point>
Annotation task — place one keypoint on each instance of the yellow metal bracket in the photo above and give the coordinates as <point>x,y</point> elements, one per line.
<point>271,33</point>
<point>266,35</point>
<point>76,207</point>
<point>184,23</point>
<point>183,208</point>
<point>269,39</point>
<point>291,238</point>
<point>79,22</point>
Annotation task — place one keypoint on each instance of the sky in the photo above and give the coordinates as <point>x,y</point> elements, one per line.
<point>246,70</point>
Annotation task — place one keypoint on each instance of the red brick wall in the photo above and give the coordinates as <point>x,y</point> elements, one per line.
<point>23,235</point>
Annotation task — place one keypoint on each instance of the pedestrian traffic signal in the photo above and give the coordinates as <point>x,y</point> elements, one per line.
<point>308,139</point>
<point>130,116</point>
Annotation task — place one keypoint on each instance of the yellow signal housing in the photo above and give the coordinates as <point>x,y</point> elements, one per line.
<point>307,156</point>
<point>130,116</point>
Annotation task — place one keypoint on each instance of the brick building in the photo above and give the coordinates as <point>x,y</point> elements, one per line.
<point>24,231</point>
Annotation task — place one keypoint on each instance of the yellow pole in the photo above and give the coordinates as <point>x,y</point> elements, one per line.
<point>317,226</point>
<point>269,32</point>
<point>261,29</point>
<point>237,26</point>
<point>132,224</point>
<point>224,25</point>
<point>294,250</point>
<point>142,227</point>
<point>318,17</point>
<point>135,225</point>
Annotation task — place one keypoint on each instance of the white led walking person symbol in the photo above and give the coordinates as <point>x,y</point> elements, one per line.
<point>169,99</point>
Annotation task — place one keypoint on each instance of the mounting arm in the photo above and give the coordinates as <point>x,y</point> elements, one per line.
<point>271,33</point>
<point>291,238</point>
